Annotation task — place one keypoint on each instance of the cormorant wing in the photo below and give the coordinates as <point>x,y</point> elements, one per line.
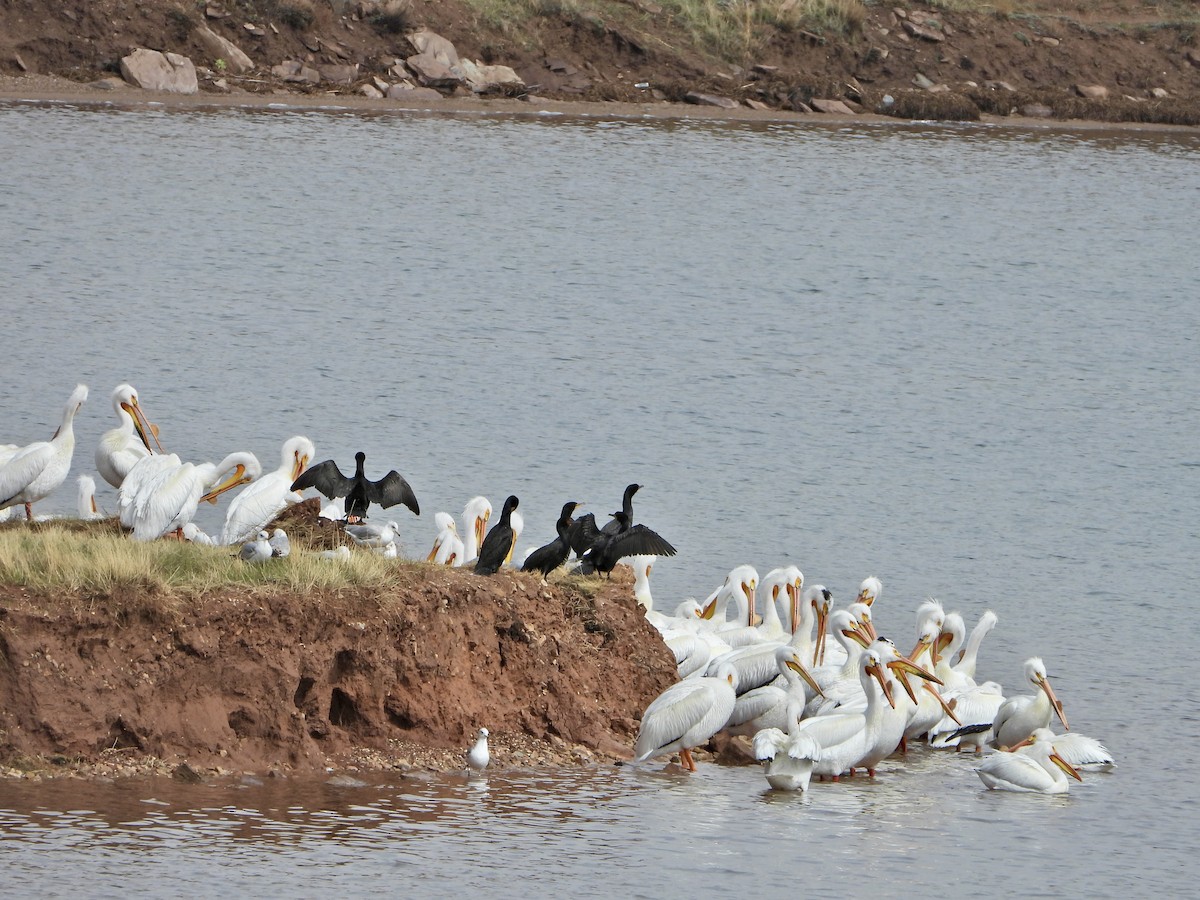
<point>640,540</point>
<point>392,489</point>
<point>583,533</point>
<point>326,477</point>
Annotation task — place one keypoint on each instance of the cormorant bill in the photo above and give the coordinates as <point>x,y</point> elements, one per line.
<point>585,531</point>
<point>548,558</point>
<point>631,540</point>
<point>359,492</point>
<point>498,542</point>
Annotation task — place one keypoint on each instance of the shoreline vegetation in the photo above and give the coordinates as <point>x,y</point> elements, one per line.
<point>1118,62</point>
<point>120,658</point>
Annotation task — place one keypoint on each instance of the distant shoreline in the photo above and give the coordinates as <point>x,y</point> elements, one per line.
<point>49,90</point>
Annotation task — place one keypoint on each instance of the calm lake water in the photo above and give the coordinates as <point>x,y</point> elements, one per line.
<point>963,359</point>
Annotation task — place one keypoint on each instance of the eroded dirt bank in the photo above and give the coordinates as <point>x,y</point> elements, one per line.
<point>263,682</point>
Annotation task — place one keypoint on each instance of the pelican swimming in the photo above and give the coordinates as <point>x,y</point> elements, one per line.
<point>475,516</point>
<point>479,756</point>
<point>37,470</point>
<point>976,709</point>
<point>268,496</point>
<point>1082,752</point>
<point>1020,716</point>
<point>686,715</point>
<point>1037,769</point>
<point>86,498</point>
<point>170,501</point>
<point>549,557</point>
<point>498,544</point>
<point>447,546</point>
<point>120,448</point>
<point>359,491</point>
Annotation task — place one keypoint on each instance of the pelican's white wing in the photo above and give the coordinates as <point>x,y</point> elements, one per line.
<point>682,710</point>
<point>165,501</point>
<point>26,464</point>
<point>1082,751</point>
<point>259,503</point>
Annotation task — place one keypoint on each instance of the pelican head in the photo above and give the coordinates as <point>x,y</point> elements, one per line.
<point>242,468</point>
<point>789,657</point>
<point>869,590</point>
<point>475,515</point>
<point>125,400</point>
<point>296,454</point>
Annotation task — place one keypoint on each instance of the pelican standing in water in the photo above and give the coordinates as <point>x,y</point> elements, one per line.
<point>120,448</point>
<point>1038,769</point>
<point>171,501</point>
<point>268,496</point>
<point>686,715</point>
<point>36,470</point>
<point>790,755</point>
<point>1020,716</point>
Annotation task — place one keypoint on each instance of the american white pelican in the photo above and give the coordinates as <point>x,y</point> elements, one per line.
<point>791,754</point>
<point>281,545</point>
<point>373,535</point>
<point>333,511</point>
<point>766,706</point>
<point>268,496</point>
<point>6,453</point>
<point>547,558</point>
<point>739,587</point>
<point>789,580</point>
<point>839,684</point>
<point>475,516</point>
<point>869,590</point>
<point>969,656</point>
<point>169,502</point>
<point>478,756</point>
<point>36,470</point>
<point>1037,769</point>
<point>1020,716</point>
<point>929,706</point>
<point>257,550</point>
<point>892,718</point>
<point>192,532</point>
<point>517,522</point>
<point>686,715</point>
<point>448,548</point>
<point>692,652</point>
<point>359,491</point>
<point>86,498</point>
<point>976,709</point>
<point>120,448</point>
<point>497,546</point>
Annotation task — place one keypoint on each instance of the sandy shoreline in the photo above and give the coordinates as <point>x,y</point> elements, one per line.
<point>49,90</point>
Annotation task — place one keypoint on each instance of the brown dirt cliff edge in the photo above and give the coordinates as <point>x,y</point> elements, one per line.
<point>258,680</point>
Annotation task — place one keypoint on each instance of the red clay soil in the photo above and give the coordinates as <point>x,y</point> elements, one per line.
<point>1148,58</point>
<point>269,682</point>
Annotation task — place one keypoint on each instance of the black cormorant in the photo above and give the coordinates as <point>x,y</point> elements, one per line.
<point>629,540</point>
<point>498,542</point>
<point>359,492</point>
<point>548,558</point>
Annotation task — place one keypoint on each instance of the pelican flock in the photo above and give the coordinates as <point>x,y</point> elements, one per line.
<point>753,657</point>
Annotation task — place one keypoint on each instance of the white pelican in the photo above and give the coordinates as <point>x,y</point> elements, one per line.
<point>334,511</point>
<point>516,522</point>
<point>686,715</point>
<point>839,684</point>
<point>266,497</point>
<point>869,590</point>
<point>257,550</point>
<point>1037,769</point>
<point>170,502</point>
<point>6,453</point>
<point>969,656</point>
<point>692,652</point>
<point>119,449</point>
<point>192,532</point>
<point>366,535</point>
<point>790,580</point>
<point>478,756</point>
<point>766,706</point>
<point>929,707</point>
<point>281,546</point>
<point>846,737</point>
<point>1020,716</point>
<point>976,710</point>
<point>86,498</point>
<point>892,718</point>
<point>475,517</point>
<point>448,549</point>
<point>36,470</point>
<point>791,754</point>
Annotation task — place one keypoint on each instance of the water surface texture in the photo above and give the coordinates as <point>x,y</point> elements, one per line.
<point>961,359</point>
